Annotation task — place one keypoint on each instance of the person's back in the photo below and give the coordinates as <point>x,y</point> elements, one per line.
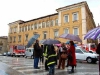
<point>51,60</point>
<point>37,50</point>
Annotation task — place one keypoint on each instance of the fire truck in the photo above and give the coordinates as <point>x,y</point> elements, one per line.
<point>17,50</point>
<point>90,47</point>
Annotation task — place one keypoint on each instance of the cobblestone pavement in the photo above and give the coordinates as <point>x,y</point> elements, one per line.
<point>24,66</point>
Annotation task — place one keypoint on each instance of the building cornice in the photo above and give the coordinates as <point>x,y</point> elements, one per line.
<point>16,22</point>
<point>72,6</point>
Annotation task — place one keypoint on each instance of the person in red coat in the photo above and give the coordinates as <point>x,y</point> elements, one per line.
<point>71,56</point>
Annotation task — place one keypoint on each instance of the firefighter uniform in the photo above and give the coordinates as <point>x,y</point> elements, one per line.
<point>45,55</point>
<point>51,58</point>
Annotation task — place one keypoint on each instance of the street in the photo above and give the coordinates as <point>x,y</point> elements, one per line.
<point>24,66</point>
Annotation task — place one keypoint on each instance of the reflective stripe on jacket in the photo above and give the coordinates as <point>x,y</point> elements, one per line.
<point>45,53</point>
<point>51,59</point>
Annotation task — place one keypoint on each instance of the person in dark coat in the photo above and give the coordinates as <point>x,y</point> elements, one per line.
<point>41,56</point>
<point>51,56</point>
<point>37,50</point>
<point>71,56</point>
<point>98,52</point>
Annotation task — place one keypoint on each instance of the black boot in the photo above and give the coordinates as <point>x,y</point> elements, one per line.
<point>72,69</point>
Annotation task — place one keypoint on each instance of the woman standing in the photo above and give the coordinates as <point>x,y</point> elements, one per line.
<point>62,50</point>
<point>71,56</point>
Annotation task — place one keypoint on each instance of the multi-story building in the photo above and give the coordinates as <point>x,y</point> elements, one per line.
<point>3,44</point>
<point>74,19</point>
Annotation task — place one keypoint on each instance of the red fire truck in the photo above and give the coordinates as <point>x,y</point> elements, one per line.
<point>89,47</point>
<point>17,50</point>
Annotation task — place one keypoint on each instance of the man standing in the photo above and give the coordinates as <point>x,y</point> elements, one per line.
<point>36,54</point>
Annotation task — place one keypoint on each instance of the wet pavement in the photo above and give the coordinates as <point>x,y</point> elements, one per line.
<point>24,66</point>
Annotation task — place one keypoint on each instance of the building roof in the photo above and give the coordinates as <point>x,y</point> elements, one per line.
<point>39,18</point>
<point>3,37</point>
<point>72,5</point>
<point>18,21</point>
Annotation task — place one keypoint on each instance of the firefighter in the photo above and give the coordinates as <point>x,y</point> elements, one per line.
<point>51,56</point>
<point>45,55</point>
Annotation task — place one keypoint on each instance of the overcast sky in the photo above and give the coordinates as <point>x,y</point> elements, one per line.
<point>13,10</point>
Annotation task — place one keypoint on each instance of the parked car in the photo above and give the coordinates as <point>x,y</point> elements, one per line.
<point>8,54</point>
<point>29,52</point>
<point>4,54</point>
<point>82,54</point>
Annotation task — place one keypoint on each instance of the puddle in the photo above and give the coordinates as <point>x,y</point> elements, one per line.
<point>3,72</point>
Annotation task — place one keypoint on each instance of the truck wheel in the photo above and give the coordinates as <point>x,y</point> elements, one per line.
<point>89,60</point>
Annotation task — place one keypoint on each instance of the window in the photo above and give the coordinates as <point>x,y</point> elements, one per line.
<point>66,18</point>
<point>14,39</point>
<point>1,43</point>
<point>78,51</point>
<point>51,23</point>
<point>19,38</point>
<point>10,39</point>
<point>35,26</point>
<point>43,24</point>
<point>26,36</point>
<point>44,35</point>
<point>22,29</point>
<point>39,25</point>
<point>75,16</point>
<point>25,28</point>
<point>10,30</point>
<point>31,27</point>
<point>75,31</point>
<point>28,28</point>
<point>47,24</point>
<point>15,29</point>
<point>66,31</point>
<point>56,33</point>
<point>29,50</point>
<point>56,22</point>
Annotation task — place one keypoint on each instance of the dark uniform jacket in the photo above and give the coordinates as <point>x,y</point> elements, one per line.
<point>37,50</point>
<point>52,57</point>
<point>45,51</point>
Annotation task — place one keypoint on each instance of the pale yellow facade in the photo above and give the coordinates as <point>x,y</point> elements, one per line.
<point>74,19</point>
<point>3,44</point>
